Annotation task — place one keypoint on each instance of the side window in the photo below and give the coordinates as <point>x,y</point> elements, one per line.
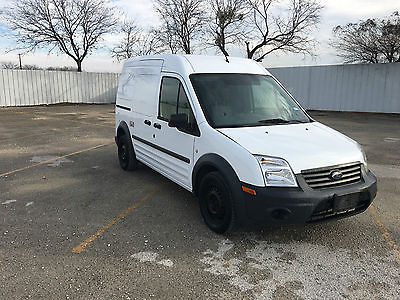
<point>173,100</point>
<point>184,107</point>
<point>169,97</point>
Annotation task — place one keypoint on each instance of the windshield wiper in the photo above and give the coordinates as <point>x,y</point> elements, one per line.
<point>274,121</point>
<point>281,121</point>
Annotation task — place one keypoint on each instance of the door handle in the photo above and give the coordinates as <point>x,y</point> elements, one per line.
<point>156,125</point>
<point>147,122</point>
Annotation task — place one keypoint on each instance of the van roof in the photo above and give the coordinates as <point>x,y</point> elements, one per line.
<point>189,64</point>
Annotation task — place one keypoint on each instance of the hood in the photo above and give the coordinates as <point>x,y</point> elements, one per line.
<point>303,146</point>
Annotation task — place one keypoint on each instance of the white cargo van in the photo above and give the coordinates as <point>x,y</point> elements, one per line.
<point>229,132</point>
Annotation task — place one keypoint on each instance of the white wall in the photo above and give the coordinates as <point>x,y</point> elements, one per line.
<point>21,87</point>
<point>362,88</point>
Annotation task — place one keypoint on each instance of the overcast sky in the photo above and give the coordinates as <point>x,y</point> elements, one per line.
<point>335,12</point>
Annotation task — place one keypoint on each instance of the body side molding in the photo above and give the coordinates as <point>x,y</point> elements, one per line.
<point>169,152</point>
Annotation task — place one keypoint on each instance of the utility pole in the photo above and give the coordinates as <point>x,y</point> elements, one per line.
<point>20,63</point>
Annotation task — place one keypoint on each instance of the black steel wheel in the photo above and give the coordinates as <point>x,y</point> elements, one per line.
<point>126,154</point>
<point>216,203</point>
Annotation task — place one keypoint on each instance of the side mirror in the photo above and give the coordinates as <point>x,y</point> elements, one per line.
<point>179,121</point>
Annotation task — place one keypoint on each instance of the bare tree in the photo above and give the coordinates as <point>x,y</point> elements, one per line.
<point>227,22</point>
<point>130,39</point>
<point>135,42</point>
<point>73,27</point>
<point>149,43</point>
<point>370,41</point>
<point>167,38</point>
<point>31,67</point>
<point>14,66</point>
<point>8,65</point>
<point>284,26</point>
<point>182,22</point>
<point>63,68</point>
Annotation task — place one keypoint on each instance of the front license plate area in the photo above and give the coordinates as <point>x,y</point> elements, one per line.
<point>346,202</point>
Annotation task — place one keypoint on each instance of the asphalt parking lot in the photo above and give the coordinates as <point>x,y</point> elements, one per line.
<point>74,225</point>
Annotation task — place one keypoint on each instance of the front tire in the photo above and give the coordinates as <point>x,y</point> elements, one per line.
<point>216,203</point>
<point>126,154</point>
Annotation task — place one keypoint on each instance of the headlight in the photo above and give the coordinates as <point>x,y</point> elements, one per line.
<point>364,157</point>
<point>277,171</point>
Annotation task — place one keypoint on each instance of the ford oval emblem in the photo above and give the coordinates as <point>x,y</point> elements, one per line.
<point>336,175</point>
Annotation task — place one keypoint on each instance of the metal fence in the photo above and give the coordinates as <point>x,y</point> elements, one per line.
<point>21,87</point>
<point>361,88</point>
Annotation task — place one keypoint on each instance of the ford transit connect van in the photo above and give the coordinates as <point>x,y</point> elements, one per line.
<point>229,132</point>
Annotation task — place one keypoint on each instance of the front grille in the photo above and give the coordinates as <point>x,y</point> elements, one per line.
<point>321,178</point>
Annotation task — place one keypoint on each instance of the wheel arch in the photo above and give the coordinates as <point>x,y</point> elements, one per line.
<point>122,129</point>
<point>213,162</point>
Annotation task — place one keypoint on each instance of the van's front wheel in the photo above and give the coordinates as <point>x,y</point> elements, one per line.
<point>216,203</point>
<point>126,154</point>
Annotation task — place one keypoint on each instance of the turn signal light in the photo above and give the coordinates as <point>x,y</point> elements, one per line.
<point>248,190</point>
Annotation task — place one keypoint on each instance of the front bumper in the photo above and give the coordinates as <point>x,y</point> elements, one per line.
<point>305,205</point>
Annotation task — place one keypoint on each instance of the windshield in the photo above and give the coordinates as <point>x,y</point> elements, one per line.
<point>236,100</point>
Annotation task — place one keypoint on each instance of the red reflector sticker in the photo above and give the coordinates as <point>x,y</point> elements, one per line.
<point>248,190</point>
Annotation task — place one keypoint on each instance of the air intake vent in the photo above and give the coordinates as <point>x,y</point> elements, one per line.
<point>333,176</point>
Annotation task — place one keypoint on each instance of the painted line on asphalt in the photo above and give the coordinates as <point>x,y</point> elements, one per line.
<point>53,159</point>
<point>78,249</point>
<point>386,234</point>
